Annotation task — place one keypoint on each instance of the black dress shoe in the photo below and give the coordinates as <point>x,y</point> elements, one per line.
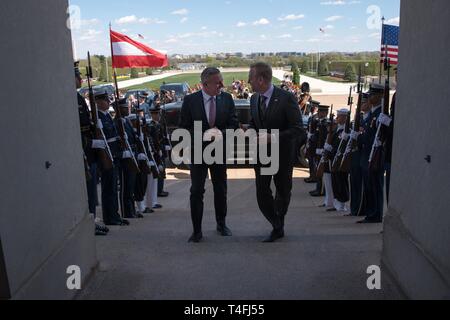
<point>163,194</point>
<point>148,210</point>
<point>196,237</point>
<point>114,223</point>
<point>224,231</point>
<point>331,210</point>
<point>99,232</point>
<point>369,221</point>
<point>157,206</point>
<point>125,222</point>
<point>139,216</point>
<point>274,236</point>
<point>101,228</point>
<point>309,180</point>
<point>315,194</point>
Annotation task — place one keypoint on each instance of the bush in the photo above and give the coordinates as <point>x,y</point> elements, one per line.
<point>134,73</point>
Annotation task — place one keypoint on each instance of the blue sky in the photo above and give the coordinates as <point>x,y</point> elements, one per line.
<point>194,26</point>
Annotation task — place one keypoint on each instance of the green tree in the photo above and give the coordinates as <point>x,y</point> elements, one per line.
<point>305,67</point>
<point>148,72</point>
<point>350,73</point>
<point>323,67</point>
<point>134,73</point>
<point>296,76</point>
<point>102,75</point>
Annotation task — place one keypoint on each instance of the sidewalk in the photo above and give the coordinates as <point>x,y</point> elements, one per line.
<point>324,256</point>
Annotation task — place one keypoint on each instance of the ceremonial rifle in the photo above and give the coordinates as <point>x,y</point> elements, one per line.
<point>326,155</point>
<point>105,156</point>
<point>144,165</point>
<point>345,135</point>
<point>353,143</point>
<point>376,155</point>
<point>131,163</point>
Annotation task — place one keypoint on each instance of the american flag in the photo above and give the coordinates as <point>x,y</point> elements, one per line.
<point>389,41</point>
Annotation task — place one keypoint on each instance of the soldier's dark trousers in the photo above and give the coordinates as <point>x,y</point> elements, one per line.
<point>356,186</point>
<point>127,185</point>
<point>375,196</point>
<point>219,181</point>
<point>110,201</point>
<point>274,209</point>
<point>340,184</point>
<point>388,180</point>
<point>92,189</point>
<point>160,186</point>
<point>140,187</point>
<point>312,168</point>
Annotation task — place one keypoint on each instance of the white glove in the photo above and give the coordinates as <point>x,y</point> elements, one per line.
<point>160,153</point>
<point>127,155</point>
<point>344,136</point>
<point>310,135</point>
<point>377,143</point>
<point>319,152</point>
<point>354,135</point>
<point>384,120</point>
<point>98,144</point>
<point>160,168</point>
<point>99,124</point>
<point>142,157</point>
<point>168,148</point>
<point>328,147</point>
<point>152,164</point>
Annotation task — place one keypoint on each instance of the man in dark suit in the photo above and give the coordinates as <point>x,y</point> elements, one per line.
<point>215,110</point>
<point>274,109</point>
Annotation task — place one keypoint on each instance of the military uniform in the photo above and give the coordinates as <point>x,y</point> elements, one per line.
<point>320,136</point>
<point>373,180</point>
<point>311,144</point>
<point>127,177</point>
<point>339,179</point>
<point>357,201</point>
<point>109,181</point>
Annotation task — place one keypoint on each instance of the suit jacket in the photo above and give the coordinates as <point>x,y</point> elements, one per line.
<point>283,114</point>
<point>193,109</point>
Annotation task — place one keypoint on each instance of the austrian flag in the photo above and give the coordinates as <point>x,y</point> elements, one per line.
<point>128,53</point>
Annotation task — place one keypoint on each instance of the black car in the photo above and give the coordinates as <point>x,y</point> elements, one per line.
<point>181,89</point>
<point>141,92</point>
<point>172,113</point>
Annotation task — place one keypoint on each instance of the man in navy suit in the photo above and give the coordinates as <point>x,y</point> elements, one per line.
<point>215,110</point>
<point>274,108</point>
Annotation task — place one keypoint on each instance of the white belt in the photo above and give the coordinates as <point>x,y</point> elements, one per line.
<point>113,140</point>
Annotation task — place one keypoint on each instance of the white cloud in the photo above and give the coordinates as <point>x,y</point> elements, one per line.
<point>260,22</point>
<point>394,21</point>
<point>298,28</point>
<point>90,22</point>
<point>313,40</point>
<point>127,19</point>
<point>339,3</point>
<point>183,20</point>
<point>328,27</point>
<point>285,36</point>
<point>204,28</point>
<point>333,18</point>
<point>181,12</point>
<point>171,40</point>
<point>134,19</point>
<point>291,17</point>
<point>375,35</point>
<point>90,34</point>
<point>241,24</point>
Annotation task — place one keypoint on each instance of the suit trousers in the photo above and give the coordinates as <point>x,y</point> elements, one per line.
<point>110,201</point>
<point>92,189</point>
<point>274,209</point>
<point>219,181</point>
<point>375,195</point>
<point>356,190</point>
<point>127,186</point>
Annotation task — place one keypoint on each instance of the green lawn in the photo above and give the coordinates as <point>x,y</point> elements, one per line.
<point>325,78</point>
<point>193,79</point>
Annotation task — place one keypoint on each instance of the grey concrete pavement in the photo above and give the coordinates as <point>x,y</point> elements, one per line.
<point>324,256</point>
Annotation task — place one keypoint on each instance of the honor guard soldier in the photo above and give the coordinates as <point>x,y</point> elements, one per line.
<point>339,179</point>
<point>357,202</point>
<point>109,181</point>
<point>87,135</point>
<point>320,136</point>
<point>375,179</point>
<point>154,130</point>
<point>311,143</point>
<point>127,177</point>
<point>389,143</point>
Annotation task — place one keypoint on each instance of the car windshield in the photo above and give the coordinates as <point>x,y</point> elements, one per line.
<point>177,88</point>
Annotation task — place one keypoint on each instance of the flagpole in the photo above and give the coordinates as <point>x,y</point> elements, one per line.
<point>112,62</point>
<point>382,43</point>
